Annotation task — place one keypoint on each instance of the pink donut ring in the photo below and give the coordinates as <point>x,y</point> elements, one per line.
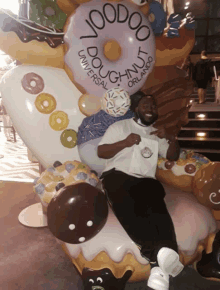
<point>97,22</point>
<point>32,83</point>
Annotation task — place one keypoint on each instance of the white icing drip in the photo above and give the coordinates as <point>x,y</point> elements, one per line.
<point>212,195</point>
<point>178,170</point>
<point>112,239</point>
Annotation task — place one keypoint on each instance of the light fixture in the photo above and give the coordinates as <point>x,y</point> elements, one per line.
<point>187,3</point>
<point>186,7</point>
<point>201,116</point>
<point>201,134</point>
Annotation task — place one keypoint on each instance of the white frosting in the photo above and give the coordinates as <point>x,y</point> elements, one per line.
<point>177,169</point>
<point>112,239</point>
<point>88,31</point>
<point>192,221</point>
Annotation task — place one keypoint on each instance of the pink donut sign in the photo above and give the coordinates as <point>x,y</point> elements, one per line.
<point>93,25</point>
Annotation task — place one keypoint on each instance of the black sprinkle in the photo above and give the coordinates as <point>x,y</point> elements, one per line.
<point>93,171</point>
<point>59,186</point>
<point>57,163</point>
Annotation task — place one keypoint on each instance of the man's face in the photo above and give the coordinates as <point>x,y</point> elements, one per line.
<point>147,110</point>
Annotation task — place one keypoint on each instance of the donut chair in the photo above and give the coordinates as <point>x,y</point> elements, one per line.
<point>96,243</point>
<point>87,229</point>
<point>94,240</point>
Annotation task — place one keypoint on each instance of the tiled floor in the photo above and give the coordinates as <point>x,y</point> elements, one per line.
<point>15,163</point>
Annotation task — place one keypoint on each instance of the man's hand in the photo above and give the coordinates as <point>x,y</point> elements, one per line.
<point>161,133</point>
<point>132,139</point>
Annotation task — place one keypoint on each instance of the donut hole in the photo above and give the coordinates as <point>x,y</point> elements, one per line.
<point>112,50</point>
<point>33,83</point>
<point>118,103</point>
<point>69,139</point>
<point>45,104</point>
<point>59,121</point>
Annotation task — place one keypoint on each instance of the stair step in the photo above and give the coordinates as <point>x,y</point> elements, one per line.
<point>199,129</point>
<point>199,139</point>
<point>200,124</point>
<point>196,100</point>
<point>206,119</point>
<point>203,108</point>
<point>209,114</point>
<point>199,143</point>
<point>192,134</point>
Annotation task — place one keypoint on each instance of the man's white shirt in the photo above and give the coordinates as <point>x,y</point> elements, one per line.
<point>137,160</point>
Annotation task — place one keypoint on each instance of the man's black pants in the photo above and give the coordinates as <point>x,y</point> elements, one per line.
<point>139,205</point>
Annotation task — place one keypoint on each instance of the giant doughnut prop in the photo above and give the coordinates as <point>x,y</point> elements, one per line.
<point>114,44</point>
<point>107,49</point>
<point>103,56</point>
<point>93,238</point>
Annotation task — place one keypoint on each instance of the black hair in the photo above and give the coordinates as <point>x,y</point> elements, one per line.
<point>135,99</point>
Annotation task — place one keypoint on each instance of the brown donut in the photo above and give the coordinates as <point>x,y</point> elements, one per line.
<point>32,83</point>
<point>190,168</point>
<point>169,164</point>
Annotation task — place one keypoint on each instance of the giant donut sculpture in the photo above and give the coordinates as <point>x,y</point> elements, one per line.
<point>98,36</point>
<point>110,249</point>
<point>93,58</point>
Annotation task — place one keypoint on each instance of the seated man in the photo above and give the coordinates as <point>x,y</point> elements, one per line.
<point>131,149</point>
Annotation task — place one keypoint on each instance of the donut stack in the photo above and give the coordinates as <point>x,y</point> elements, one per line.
<point>60,175</point>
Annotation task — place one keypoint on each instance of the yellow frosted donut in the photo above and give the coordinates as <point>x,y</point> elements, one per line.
<point>58,120</point>
<point>45,103</point>
<point>69,138</point>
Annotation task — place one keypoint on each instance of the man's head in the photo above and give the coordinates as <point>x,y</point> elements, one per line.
<point>144,107</point>
<point>204,54</point>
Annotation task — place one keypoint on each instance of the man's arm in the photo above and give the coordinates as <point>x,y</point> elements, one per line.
<point>173,151</point>
<point>107,151</point>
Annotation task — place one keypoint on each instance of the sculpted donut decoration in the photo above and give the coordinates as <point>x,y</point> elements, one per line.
<point>106,45</point>
<point>206,186</point>
<point>157,17</point>
<point>169,164</point>
<point>32,83</point>
<point>101,27</point>
<point>62,174</point>
<point>69,138</point>
<point>182,172</point>
<point>74,227</point>
<point>116,102</point>
<point>45,103</point>
<point>190,168</point>
<point>89,104</point>
<point>58,120</point>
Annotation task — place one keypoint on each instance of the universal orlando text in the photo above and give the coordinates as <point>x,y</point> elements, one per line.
<point>96,21</point>
<point>112,76</point>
